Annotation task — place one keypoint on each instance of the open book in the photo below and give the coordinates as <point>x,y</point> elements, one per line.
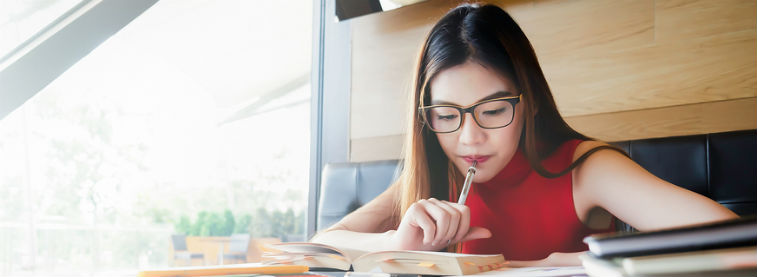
<point>315,256</point>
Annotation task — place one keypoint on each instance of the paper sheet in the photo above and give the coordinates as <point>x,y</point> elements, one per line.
<point>569,271</point>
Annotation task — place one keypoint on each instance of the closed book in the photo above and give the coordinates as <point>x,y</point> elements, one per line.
<point>598,267</point>
<point>727,259</point>
<point>729,233</point>
<point>727,262</point>
<point>321,256</point>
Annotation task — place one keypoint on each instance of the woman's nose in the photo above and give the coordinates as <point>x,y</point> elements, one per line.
<point>470,132</point>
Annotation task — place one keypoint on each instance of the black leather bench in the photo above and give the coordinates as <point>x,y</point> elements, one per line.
<point>721,166</point>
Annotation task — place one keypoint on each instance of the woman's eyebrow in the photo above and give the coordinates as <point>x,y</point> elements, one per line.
<point>490,96</point>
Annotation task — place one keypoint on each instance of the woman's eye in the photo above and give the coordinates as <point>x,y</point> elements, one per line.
<point>494,112</point>
<point>446,117</point>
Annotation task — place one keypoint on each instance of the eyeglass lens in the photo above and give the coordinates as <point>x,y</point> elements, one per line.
<point>494,114</point>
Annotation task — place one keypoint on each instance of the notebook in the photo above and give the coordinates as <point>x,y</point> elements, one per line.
<point>729,233</point>
<point>738,261</point>
<point>321,256</point>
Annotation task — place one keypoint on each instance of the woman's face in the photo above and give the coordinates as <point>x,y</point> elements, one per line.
<point>465,85</point>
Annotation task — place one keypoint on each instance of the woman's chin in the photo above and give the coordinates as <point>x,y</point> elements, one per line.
<point>482,174</point>
<point>482,177</point>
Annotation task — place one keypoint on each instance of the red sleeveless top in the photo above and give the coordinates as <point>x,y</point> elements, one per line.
<point>530,216</point>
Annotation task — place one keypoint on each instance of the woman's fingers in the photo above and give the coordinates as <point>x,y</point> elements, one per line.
<point>421,219</point>
<point>477,233</point>
<point>464,225</point>
<point>442,222</point>
<point>454,221</point>
<point>441,218</point>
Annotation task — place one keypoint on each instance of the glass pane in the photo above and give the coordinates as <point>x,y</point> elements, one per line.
<point>193,119</point>
<point>21,19</point>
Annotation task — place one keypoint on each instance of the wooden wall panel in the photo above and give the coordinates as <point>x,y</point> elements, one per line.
<point>687,19</point>
<point>687,62</point>
<point>376,148</point>
<point>384,54</point>
<point>557,29</point>
<point>613,66</point>
<point>700,118</point>
<point>660,75</point>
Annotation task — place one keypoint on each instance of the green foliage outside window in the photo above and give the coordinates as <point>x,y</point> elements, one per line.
<point>262,223</point>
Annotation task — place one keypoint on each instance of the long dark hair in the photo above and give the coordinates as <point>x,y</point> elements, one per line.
<point>489,36</point>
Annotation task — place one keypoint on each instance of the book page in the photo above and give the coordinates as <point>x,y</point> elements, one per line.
<point>433,253</point>
<point>311,248</point>
<point>446,254</point>
<point>305,248</point>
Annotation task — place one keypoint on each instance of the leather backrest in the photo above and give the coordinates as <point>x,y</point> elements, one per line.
<point>721,166</point>
<point>733,171</point>
<point>347,186</point>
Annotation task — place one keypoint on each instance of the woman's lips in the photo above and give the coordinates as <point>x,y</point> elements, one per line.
<point>478,159</point>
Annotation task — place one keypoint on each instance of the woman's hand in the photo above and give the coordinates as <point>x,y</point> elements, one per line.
<point>430,224</point>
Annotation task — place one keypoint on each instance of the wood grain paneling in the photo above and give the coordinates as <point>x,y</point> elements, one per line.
<point>675,73</point>
<point>691,119</point>
<point>614,67</point>
<point>384,55</point>
<point>376,148</point>
<point>686,19</point>
<point>557,29</point>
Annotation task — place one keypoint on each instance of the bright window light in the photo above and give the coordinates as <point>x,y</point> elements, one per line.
<point>192,120</point>
<point>21,19</point>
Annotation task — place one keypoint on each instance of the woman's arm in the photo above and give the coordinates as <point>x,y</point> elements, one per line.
<point>367,228</point>
<point>615,183</point>
<point>428,224</point>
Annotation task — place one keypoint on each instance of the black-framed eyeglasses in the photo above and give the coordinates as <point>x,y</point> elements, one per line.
<point>488,114</point>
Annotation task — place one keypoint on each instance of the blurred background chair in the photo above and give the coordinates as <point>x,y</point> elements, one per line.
<point>181,253</point>
<point>237,249</point>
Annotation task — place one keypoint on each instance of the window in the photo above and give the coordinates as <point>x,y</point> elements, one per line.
<point>193,116</point>
<point>21,19</point>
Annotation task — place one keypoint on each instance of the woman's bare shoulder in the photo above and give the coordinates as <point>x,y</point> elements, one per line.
<point>588,145</point>
<point>614,182</point>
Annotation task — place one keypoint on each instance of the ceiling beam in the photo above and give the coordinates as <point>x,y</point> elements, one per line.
<point>37,62</point>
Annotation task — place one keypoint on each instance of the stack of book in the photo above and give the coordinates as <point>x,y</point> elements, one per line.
<point>726,248</point>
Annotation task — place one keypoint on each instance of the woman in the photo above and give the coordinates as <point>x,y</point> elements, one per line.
<point>540,186</point>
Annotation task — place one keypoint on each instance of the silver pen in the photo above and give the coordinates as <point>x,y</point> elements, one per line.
<point>466,184</point>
